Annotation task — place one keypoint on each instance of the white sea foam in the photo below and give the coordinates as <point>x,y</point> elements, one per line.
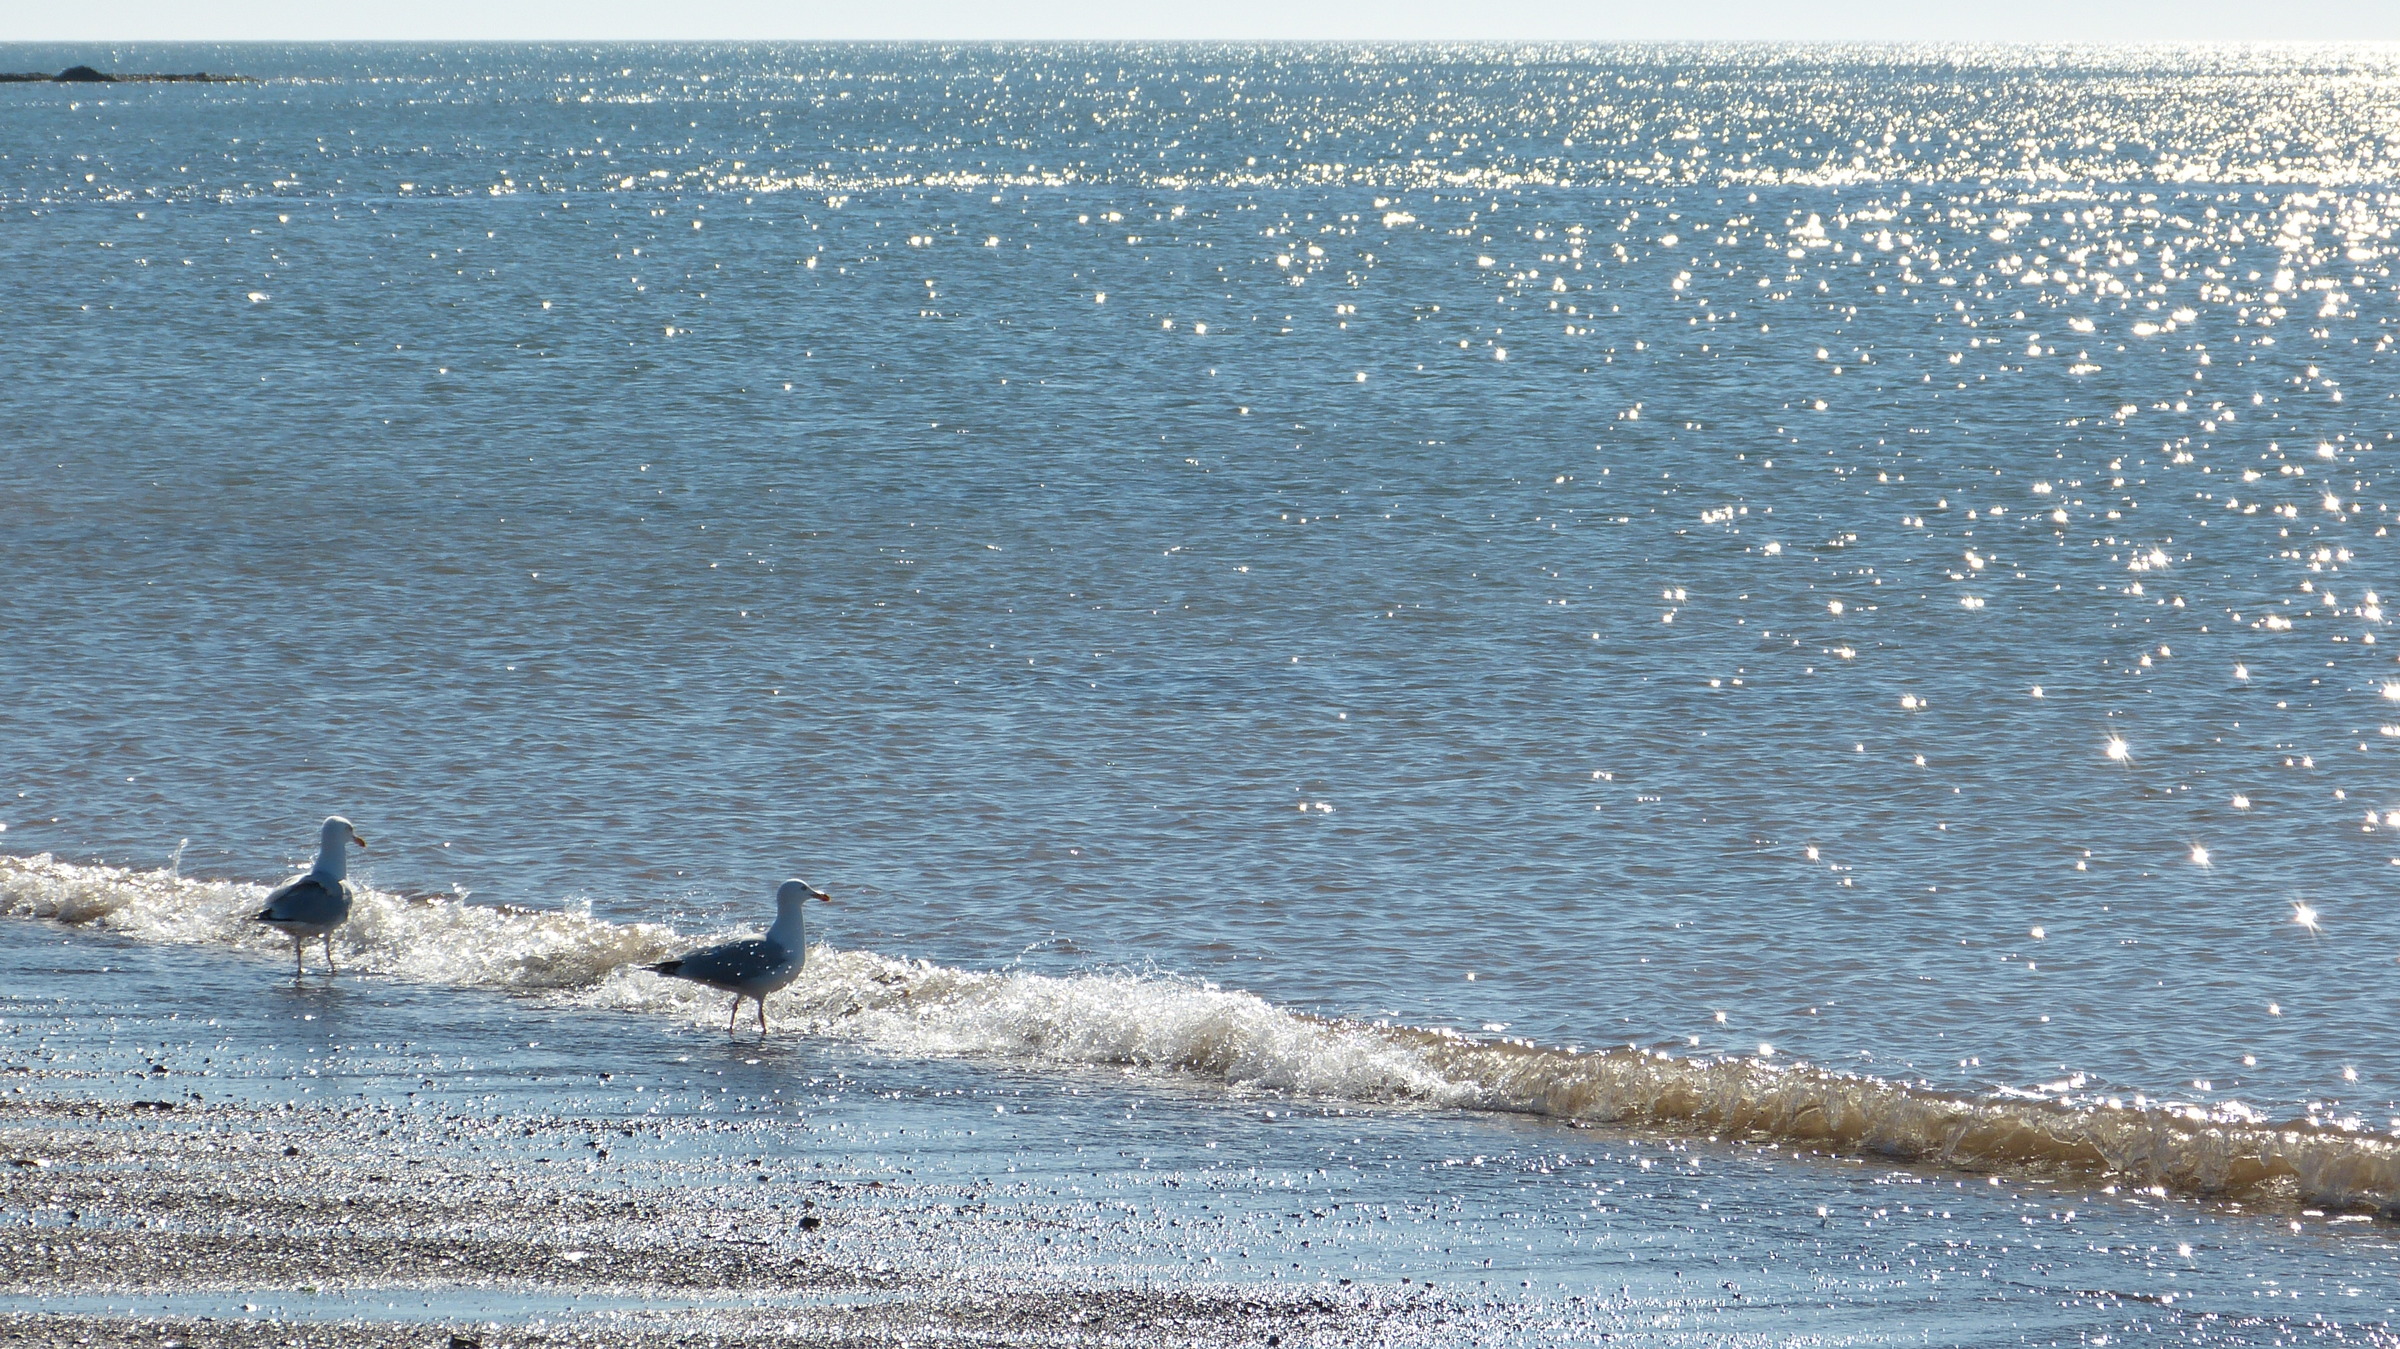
<point>1197,1031</point>
<point>427,940</point>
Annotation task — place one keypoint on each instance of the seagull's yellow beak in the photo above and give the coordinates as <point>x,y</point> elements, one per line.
<point>354,838</point>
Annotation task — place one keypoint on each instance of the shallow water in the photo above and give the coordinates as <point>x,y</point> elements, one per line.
<point>1148,1179</point>
<point>1868,559</point>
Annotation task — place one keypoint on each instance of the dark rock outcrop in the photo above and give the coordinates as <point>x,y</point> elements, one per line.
<point>87,75</point>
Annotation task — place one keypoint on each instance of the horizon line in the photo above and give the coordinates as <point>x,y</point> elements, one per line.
<point>2019,44</point>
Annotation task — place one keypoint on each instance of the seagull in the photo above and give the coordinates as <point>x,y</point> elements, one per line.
<point>319,902</point>
<point>753,969</point>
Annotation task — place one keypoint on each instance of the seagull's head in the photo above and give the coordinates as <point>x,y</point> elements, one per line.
<point>338,834</point>
<point>795,892</point>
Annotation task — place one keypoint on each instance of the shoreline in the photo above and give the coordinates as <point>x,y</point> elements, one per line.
<point>1230,1040</point>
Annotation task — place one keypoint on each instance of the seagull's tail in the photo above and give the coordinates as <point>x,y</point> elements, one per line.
<point>670,968</point>
<point>264,916</point>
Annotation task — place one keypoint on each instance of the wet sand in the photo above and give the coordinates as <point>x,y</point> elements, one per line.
<point>215,1224</point>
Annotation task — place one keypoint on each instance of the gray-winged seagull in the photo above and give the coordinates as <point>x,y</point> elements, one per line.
<point>753,969</point>
<point>317,903</point>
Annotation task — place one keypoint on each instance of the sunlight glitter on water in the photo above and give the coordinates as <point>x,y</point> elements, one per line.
<point>986,503</point>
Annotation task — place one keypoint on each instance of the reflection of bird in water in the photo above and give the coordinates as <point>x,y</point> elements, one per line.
<point>753,969</point>
<point>317,903</point>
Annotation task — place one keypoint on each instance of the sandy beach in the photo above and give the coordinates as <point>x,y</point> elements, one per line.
<point>162,1222</point>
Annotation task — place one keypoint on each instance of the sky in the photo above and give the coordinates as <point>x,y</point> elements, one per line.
<point>1361,20</point>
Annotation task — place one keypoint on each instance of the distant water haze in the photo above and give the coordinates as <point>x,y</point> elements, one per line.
<point>1872,560</point>
<point>2131,21</point>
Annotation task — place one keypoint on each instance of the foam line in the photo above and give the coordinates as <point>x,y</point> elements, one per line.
<point>1198,1031</point>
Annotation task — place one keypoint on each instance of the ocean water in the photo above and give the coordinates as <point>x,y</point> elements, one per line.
<point>1822,604</point>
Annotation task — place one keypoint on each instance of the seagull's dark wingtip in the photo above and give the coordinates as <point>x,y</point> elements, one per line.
<point>667,967</point>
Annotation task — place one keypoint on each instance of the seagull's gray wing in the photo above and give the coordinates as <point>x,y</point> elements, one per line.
<point>312,899</point>
<point>735,966</point>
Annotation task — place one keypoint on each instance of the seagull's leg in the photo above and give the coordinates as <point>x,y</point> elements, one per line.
<point>329,966</point>
<point>762,1018</point>
<point>734,1015</point>
<point>299,963</point>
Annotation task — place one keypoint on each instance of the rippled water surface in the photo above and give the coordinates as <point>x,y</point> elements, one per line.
<point>1866,558</point>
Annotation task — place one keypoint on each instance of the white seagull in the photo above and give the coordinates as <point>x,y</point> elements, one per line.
<point>753,969</point>
<point>317,903</point>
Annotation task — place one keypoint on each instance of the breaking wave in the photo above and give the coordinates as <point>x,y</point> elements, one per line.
<point>1196,1030</point>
